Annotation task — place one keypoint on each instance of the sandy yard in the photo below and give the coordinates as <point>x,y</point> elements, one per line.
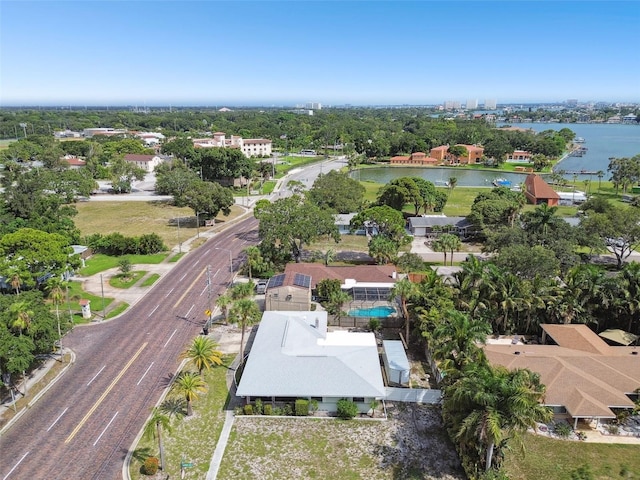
<point>412,444</point>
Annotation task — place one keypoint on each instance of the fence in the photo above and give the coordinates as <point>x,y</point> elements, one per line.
<point>363,322</point>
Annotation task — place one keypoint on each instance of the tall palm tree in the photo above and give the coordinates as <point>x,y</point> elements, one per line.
<point>246,313</point>
<point>242,290</point>
<point>254,258</point>
<point>453,181</point>
<point>454,243</point>
<point>22,315</point>
<point>498,405</point>
<point>189,385</point>
<point>224,301</point>
<point>404,290</point>
<point>202,353</point>
<point>153,429</point>
<point>454,341</point>
<point>470,282</point>
<point>57,294</point>
<point>599,174</point>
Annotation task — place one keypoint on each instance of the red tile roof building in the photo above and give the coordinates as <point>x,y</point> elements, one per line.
<point>416,158</point>
<point>538,191</point>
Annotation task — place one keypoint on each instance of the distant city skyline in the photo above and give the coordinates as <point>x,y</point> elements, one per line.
<point>267,53</point>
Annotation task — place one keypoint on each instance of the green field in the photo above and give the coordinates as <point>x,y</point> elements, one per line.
<point>557,459</point>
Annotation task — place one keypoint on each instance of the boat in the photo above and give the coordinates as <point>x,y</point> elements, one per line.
<point>501,182</point>
<point>578,140</point>
<point>441,183</point>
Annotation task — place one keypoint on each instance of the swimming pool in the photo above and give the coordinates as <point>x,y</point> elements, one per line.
<point>372,312</point>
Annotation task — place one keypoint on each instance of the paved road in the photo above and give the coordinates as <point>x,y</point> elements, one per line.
<point>85,424</point>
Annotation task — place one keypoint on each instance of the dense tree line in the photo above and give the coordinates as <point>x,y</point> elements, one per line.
<point>379,133</point>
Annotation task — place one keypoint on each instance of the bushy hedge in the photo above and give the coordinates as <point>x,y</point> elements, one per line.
<point>302,407</point>
<point>347,409</point>
<point>116,244</point>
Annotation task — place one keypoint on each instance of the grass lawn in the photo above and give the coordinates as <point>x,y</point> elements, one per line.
<point>150,280</point>
<point>356,243</point>
<point>76,293</point>
<point>194,437</point>
<point>133,218</point>
<point>550,458</point>
<point>100,262</point>
<point>177,257</point>
<point>122,281</point>
<point>121,307</point>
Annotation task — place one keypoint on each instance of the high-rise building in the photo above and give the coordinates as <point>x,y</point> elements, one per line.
<point>314,106</point>
<point>572,102</point>
<point>490,104</point>
<point>472,104</point>
<point>451,105</point>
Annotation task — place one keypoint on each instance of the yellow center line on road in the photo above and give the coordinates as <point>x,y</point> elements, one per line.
<point>189,288</point>
<point>106,392</point>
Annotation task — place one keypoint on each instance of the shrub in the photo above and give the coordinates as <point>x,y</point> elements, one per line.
<point>612,428</point>
<point>258,407</point>
<point>313,406</point>
<point>268,409</point>
<point>374,324</point>
<point>278,411</point>
<point>248,409</point>
<point>583,472</point>
<point>150,466</point>
<point>238,411</point>
<point>347,409</point>
<point>287,410</point>
<point>302,407</point>
<point>562,429</point>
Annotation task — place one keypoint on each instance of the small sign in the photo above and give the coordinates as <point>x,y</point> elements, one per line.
<point>207,313</point>
<point>186,465</point>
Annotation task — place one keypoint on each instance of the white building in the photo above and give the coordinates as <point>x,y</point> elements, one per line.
<point>147,162</point>
<point>250,147</point>
<point>490,104</point>
<point>472,104</point>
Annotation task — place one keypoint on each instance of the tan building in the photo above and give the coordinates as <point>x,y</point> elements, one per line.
<point>416,158</point>
<point>519,156</point>
<point>584,376</point>
<point>473,155</point>
<point>288,292</point>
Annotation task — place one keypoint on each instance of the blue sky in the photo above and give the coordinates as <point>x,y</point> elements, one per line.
<point>334,52</point>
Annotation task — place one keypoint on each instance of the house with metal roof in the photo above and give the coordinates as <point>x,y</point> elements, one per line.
<point>295,356</point>
<point>584,376</point>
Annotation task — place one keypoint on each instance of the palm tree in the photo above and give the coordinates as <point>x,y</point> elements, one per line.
<point>246,313</point>
<point>16,282</point>
<point>599,174</point>
<point>23,315</point>
<point>153,429</point>
<point>497,405</point>
<point>453,181</point>
<point>203,354</point>
<point>254,258</point>
<point>190,385</point>
<point>57,295</point>
<point>224,301</point>
<point>454,243</point>
<point>404,290</point>
<point>439,245</point>
<point>454,341</point>
<point>242,290</point>
<point>470,281</point>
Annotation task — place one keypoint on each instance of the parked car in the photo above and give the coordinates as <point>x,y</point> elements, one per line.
<point>261,287</point>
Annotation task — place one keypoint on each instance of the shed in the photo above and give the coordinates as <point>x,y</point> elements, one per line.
<point>396,363</point>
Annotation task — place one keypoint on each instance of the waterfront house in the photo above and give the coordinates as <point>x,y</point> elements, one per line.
<point>538,191</point>
<point>585,377</point>
<point>415,159</point>
<point>295,356</point>
<point>519,156</point>
<point>473,154</point>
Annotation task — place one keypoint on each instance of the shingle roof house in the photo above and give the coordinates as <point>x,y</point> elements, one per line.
<point>294,356</point>
<point>582,373</point>
<point>538,191</point>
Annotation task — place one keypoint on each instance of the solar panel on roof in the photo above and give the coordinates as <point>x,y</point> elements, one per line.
<point>302,280</point>
<point>276,281</point>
